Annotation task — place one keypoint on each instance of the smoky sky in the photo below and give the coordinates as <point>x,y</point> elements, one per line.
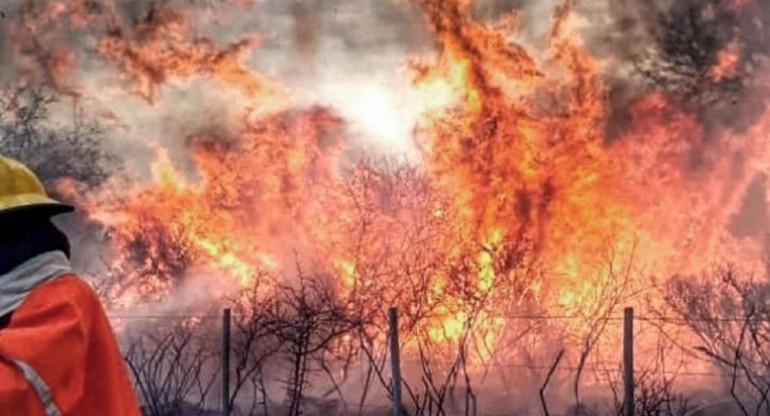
<point>351,56</point>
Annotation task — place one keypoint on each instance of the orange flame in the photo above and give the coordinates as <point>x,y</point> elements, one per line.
<point>522,201</point>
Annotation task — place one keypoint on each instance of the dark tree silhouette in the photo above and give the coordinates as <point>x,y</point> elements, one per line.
<point>729,315</point>
<point>172,370</point>
<point>54,152</point>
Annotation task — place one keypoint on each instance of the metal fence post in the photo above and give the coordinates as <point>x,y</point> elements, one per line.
<point>628,362</point>
<point>226,362</point>
<point>395,360</point>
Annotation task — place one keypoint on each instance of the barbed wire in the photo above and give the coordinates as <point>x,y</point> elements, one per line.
<point>608,366</point>
<point>168,317</point>
<point>522,317</point>
<point>602,370</point>
<point>594,367</point>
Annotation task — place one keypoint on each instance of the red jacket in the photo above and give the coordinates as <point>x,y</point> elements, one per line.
<point>61,334</point>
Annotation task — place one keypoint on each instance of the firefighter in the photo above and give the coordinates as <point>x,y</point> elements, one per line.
<point>58,354</point>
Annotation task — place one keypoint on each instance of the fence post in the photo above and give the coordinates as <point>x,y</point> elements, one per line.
<point>395,360</point>
<point>226,362</point>
<point>628,362</point>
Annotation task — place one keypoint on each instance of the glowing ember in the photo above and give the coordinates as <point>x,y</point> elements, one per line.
<point>727,62</point>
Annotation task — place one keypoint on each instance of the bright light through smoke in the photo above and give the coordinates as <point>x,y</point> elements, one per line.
<point>377,111</point>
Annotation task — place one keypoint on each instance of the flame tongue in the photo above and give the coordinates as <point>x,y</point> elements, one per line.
<point>523,171</point>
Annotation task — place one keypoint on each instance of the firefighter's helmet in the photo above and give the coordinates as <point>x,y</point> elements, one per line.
<point>22,190</point>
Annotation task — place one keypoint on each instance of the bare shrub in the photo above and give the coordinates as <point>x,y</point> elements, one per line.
<point>172,371</point>
<point>308,322</point>
<point>74,152</point>
<point>730,316</point>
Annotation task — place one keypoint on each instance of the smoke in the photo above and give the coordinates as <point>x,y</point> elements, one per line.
<point>167,75</point>
<point>350,57</point>
<point>239,115</point>
<point>709,58</point>
<point>155,71</point>
<point>708,54</point>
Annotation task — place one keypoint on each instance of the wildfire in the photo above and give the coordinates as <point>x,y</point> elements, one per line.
<point>521,201</point>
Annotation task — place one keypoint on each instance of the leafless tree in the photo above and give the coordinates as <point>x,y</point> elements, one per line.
<point>73,151</point>
<point>554,366</point>
<point>611,289</point>
<point>445,363</point>
<point>729,314</point>
<point>307,321</point>
<point>654,395</point>
<point>172,371</point>
<point>253,344</point>
<point>430,283</point>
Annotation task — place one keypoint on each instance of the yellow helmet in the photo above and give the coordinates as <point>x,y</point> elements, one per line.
<point>21,190</point>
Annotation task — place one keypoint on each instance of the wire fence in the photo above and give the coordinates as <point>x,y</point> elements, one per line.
<point>657,354</point>
<point>523,317</point>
